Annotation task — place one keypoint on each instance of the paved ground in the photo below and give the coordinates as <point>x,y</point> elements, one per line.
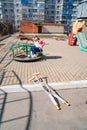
<point>64,66</point>
<point>60,63</point>
<point>35,111</point>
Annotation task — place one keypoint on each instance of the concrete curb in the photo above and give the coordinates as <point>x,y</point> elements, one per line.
<point>27,87</point>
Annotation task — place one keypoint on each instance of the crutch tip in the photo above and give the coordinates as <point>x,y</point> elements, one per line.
<point>68,104</point>
<point>57,107</point>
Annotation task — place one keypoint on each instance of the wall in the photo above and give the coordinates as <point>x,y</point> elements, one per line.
<point>82,10</point>
<point>28,27</point>
<point>52,28</point>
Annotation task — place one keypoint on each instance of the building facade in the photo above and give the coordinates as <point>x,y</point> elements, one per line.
<point>82,13</point>
<point>45,11</point>
<point>1,16</point>
<point>50,11</point>
<point>82,9</point>
<point>12,12</point>
<point>61,11</point>
<point>33,10</point>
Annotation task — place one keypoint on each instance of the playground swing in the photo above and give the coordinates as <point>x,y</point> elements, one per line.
<point>53,95</point>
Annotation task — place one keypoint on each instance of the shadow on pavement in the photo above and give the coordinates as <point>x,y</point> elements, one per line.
<point>30,104</point>
<point>3,98</point>
<point>51,57</point>
<point>3,71</point>
<point>4,102</point>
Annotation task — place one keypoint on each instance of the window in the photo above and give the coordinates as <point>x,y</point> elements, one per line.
<point>5,10</point>
<point>17,5</point>
<point>53,6</point>
<point>18,21</point>
<point>11,10</point>
<point>58,1</point>
<point>52,12</point>
<point>17,10</point>
<point>34,10</point>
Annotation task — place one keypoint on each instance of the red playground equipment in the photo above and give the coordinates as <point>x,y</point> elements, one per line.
<point>77,27</point>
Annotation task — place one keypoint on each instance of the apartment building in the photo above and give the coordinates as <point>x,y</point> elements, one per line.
<point>82,13</point>
<point>1,16</point>
<point>45,11</point>
<point>64,13</point>
<point>61,11</point>
<point>33,10</point>
<point>82,9</point>
<point>58,11</point>
<point>12,12</point>
<point>50,11</point>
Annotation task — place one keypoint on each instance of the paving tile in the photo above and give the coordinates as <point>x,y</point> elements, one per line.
<point>60,63</point>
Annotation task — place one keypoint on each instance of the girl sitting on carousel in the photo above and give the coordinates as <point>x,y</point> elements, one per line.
<point>37,47</point>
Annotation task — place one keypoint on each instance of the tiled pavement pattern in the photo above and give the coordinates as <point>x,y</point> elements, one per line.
<point>60,63</point>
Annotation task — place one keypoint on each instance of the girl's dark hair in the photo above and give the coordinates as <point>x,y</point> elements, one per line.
<point>37,37</point>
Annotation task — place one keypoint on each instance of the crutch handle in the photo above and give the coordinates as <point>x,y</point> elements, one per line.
<point>32,78</point>
<point>36,74</point>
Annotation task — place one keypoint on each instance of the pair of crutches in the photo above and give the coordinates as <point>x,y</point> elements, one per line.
<point>53,95</point>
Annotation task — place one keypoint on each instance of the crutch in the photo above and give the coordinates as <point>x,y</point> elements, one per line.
<point>36,80</point>
<point>47,89</point>
<point>54,93</point>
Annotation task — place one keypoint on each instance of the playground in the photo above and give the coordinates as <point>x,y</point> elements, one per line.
<point>66,70</point>
<point>60,63</point>
<point>47,92</point>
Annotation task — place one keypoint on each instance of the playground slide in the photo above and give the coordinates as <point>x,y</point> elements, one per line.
<point>82,41</point>
<point>77,27</point>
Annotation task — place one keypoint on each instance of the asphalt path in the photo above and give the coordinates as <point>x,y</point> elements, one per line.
<point>35,111</point>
